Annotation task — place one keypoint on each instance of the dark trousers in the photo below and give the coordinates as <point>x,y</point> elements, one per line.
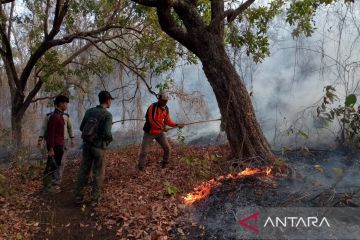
<point>53,164</point>
<point>146,144</point>
<point>93,158</point>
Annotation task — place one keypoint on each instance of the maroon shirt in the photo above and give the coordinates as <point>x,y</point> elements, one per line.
<point>55,129</point>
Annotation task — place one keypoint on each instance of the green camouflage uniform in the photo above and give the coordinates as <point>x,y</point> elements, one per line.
<point>93,153</point>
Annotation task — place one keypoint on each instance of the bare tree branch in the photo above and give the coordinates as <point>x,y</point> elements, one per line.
<point>10,22</point>
<point>45,45</point>
<point>46,33</point>
<point>42,99</point>
<point>31,95</point>
<point>7,51</point>
<point>131,68</point>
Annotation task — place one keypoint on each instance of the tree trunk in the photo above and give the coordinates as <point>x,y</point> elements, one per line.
<point>244,133</point>
<point>16,128</point>
<point>17,115</point>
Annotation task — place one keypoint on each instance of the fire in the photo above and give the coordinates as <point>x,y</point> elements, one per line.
<point>201,191</point>
<point>268,171</point>
<point>204,189</point>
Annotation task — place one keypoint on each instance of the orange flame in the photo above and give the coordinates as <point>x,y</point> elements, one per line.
<point>268,171</point>
<point>204,189</point>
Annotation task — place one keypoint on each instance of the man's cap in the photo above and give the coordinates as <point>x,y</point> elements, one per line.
<point>163,95</point>
<point>104,95</point>
<point>61,99</point>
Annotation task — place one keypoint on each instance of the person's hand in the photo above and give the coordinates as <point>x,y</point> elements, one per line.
<point>72,142</point>
<point>51,152</point>
<point>180,125</point>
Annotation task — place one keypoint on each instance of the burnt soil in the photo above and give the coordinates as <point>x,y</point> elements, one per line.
<point>317,179</point>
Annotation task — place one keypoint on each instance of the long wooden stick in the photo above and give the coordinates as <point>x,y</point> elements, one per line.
<point>130,119</point>
<point>167,129</point>
<point>204,121</point>
<point>191,123</point>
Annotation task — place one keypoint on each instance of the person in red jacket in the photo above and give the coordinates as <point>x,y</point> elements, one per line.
<point>55,144</point>
<point>157,117</point>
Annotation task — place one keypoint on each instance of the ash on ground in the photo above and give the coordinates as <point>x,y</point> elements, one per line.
<point>318,179</point>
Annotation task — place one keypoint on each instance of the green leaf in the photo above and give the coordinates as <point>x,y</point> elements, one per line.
<point>303,134</point>
<point>350,100</point>
<point>338,171</point>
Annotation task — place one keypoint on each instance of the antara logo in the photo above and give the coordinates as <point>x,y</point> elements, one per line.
<point>251,221</point>
<point>254,217</point>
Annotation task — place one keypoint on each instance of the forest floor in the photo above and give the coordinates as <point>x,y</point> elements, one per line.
<point>135,205</point>
<point>154,204</point>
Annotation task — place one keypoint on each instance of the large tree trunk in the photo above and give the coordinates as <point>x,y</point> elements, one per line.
<point>16,127</point>
<point>17,116</point>
<point>244,133</point>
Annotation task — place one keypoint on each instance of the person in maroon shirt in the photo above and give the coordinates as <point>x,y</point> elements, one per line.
<point>55,144</point>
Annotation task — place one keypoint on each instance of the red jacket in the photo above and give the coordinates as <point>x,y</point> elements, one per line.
<point>157,118</point>
<point>55,130</point>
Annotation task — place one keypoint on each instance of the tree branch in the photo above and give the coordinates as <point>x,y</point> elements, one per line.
<point>6,51</point>
<point>10,22</point>
<point>168,24</point>
<point>132,69</point>
<point>233,13</point>
<point>46,44</point>
<point>46,33</point>
<point>31,96</point>
<point>188,13</point>
<point>42,98</point>
<point>217,10</point>
<point>230,14</point>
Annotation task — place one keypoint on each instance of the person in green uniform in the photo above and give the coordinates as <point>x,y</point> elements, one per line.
<point>96,134</point>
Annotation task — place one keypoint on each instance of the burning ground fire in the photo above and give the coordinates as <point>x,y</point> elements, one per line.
<point>203,190</point>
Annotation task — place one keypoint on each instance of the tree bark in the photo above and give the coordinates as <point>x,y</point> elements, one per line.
<point>16,128</point>
<point>244,133</point>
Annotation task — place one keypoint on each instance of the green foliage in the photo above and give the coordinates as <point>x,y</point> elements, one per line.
<point>338,171</point>
<point>166,85</point>
<point>251,30</point>
<point>292,130</point>
<point>279,165</point>
<point>170,189</point>
<point>350,100</point>
<point>300,14</point>
<point>204,7</point>
<point>345,114</point>
<point>303,134</point>
<point>155,48</point>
